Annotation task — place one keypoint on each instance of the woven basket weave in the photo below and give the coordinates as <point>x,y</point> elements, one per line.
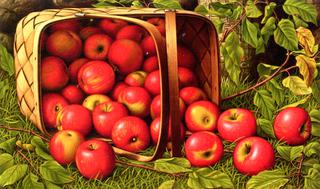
<point>199,34</point>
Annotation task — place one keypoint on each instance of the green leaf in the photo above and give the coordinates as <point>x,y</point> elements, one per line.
<point>252,10</point>
<point>6,161</point>
<point>173,165</point>
<point>6,61</point>
<point>268,179</point>
<point>41,148</point>
<point>31,182</point>
<point>305,11</point>
<point>13,174</point>
<point>260,48</point>
<point>276,91</point>
<point>312,180</point>
<point>221,9</point>
<point>50,185</point>
<point>268,29</point>
<point>296,104</point>
<point>137,4</point>
<point>299,23</point>
<point>201,9</point>
<point>4,86</point>
<point>266,126</point>
<point>208,178</point>
<point>308,164</point>
<point>236,13</point>
<point>307,67</point>
<point>268,12</point>
<point>165,4</point>
<point>266,104</point>
<point>312,148</point>
<point>167,184</point>
<point>315,121</point>
<point>285,35</point>
<point>8,145</point>
<point>218,23</point>
<point>266,69</point>
<point>290,153</point>
<point>316,90</point>
<point>250,33</point>
<point>55,173</point>
<point>296,85</point>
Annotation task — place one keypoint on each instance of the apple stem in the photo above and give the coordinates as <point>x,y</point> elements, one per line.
<point>25,131</point>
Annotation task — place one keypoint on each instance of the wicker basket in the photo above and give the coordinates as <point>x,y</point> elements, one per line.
<point>199,34</point>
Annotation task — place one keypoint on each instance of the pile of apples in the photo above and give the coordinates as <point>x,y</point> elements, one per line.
<point>100,79</point>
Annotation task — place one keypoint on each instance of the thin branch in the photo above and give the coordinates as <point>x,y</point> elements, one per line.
<point>262,82</point>
<point>300,169</point>
<point>27,159</point>
<point>25,131</point>
<point>229,30</point>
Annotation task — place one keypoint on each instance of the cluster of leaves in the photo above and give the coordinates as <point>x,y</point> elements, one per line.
<point>172,4</point>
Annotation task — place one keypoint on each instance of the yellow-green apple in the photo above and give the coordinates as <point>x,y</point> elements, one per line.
<point>54,73</point>
<point>186,77</point>
<point>73,94</point>
<point>112,26</point>
<point>91,101</point>
<point>88,31</point>
<point>96,77</point>
<point>64,44</point>
<point>150,64</point>
<point>293,126</point>
<point>137,100</point>
<point>159,23</point>
<point>96,47</point>
<point>186,57</point>
<point>95,159</point>
<point>74,68</point>
<point>131,133</point>
<point>71,25</point>
<point>152,83</point>
<point>136,79</point>
<point>132,32</point>
<point>75,117</point>
<point>117,90</point>
<point>52,104</point>
<point>64,144</point>
<point>203,149</point>
<point>253,155</point>
<point>155,130</point>
<point>148,46</point>
<point>192,94</point>
<point>105,115</point>
<point>202,116</point>
<point>236,123</point>
<point>155,107</point>
<point>126,62</point>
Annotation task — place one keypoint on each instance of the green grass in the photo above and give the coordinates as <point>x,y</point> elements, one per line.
<point>130,177</point>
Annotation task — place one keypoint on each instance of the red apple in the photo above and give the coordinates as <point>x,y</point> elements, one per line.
<point>105,115</point>
<point>152,83</point>
<point>131,133</point>
<point>202,116</point>
<point>253,155</point>
<point>73,94</point>
<point>148,46</point>
<point>186,57</point>
<point>111,27</point>
<point>91,101</point>
<point>192,94</point>
<point>236,123</point>
<point>64,44</point>
<point>293,126</point>
<point>52,104</point>
<point>203,149</point>
<point>43,39</point>
<point>95,159</point>
<point>64,144</point>
<point>88,31</point>
<point>155,107</point>
<point>71,25</point>
<point>159,23</point>
<point>150,64</point>
<point>186,77</point>
<point>96,77</point>
<point>96,47</point>
<point>75,117</point>
<point>54,74</point>
<point>137,100</point>
<point>117,89</point>
<point>132,32</point>
<point>136,79</point>
<point>126,62</point>
<point>74,68</point>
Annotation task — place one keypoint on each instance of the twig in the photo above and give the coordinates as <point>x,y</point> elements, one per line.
<point>262,82</point>
<point>25,131</point>
<point>300,169</point>
<point>226,33</point>
<point>27,159</point>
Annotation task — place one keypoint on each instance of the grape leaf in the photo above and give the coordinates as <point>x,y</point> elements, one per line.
<point>252,10</point>
<point>165,4</point>
<point>296,85</point>
<point>250,33</point>
<point>266,104</point>
<point>285,35</point>
<point>304,10</point>
<point>268,11</point>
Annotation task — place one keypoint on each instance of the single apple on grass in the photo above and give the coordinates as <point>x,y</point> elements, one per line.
<point>64,144</point>
<point>192,94</point>
<point>186,57</point>
<point>136,79</point>
<point>73,94</point>
<point>293,126</point>
<point>203,149</point>
<point>89,31</point>
<point>237,123</point>
<point>91,101</point>
<point>74,68</point>
<point>95,159</point>
<point>131,133</point>
<point>71,25</point>
<point>52,104</point>
<point>155,107</point>
<point>159,23</point>
<point>186,77</point>
<point>54,73</point>
<point>96,47</point>
<point>112,26</point>
<point>96,77</point>
<point>152,83</point>
<point>132,32</point>
<point>117,89</point>
<point>148,46</point>
<point>150,64</point>
<point>75,117</point>
<point>105,115</point>
<point>202,116</point>
<point>253,155</point>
